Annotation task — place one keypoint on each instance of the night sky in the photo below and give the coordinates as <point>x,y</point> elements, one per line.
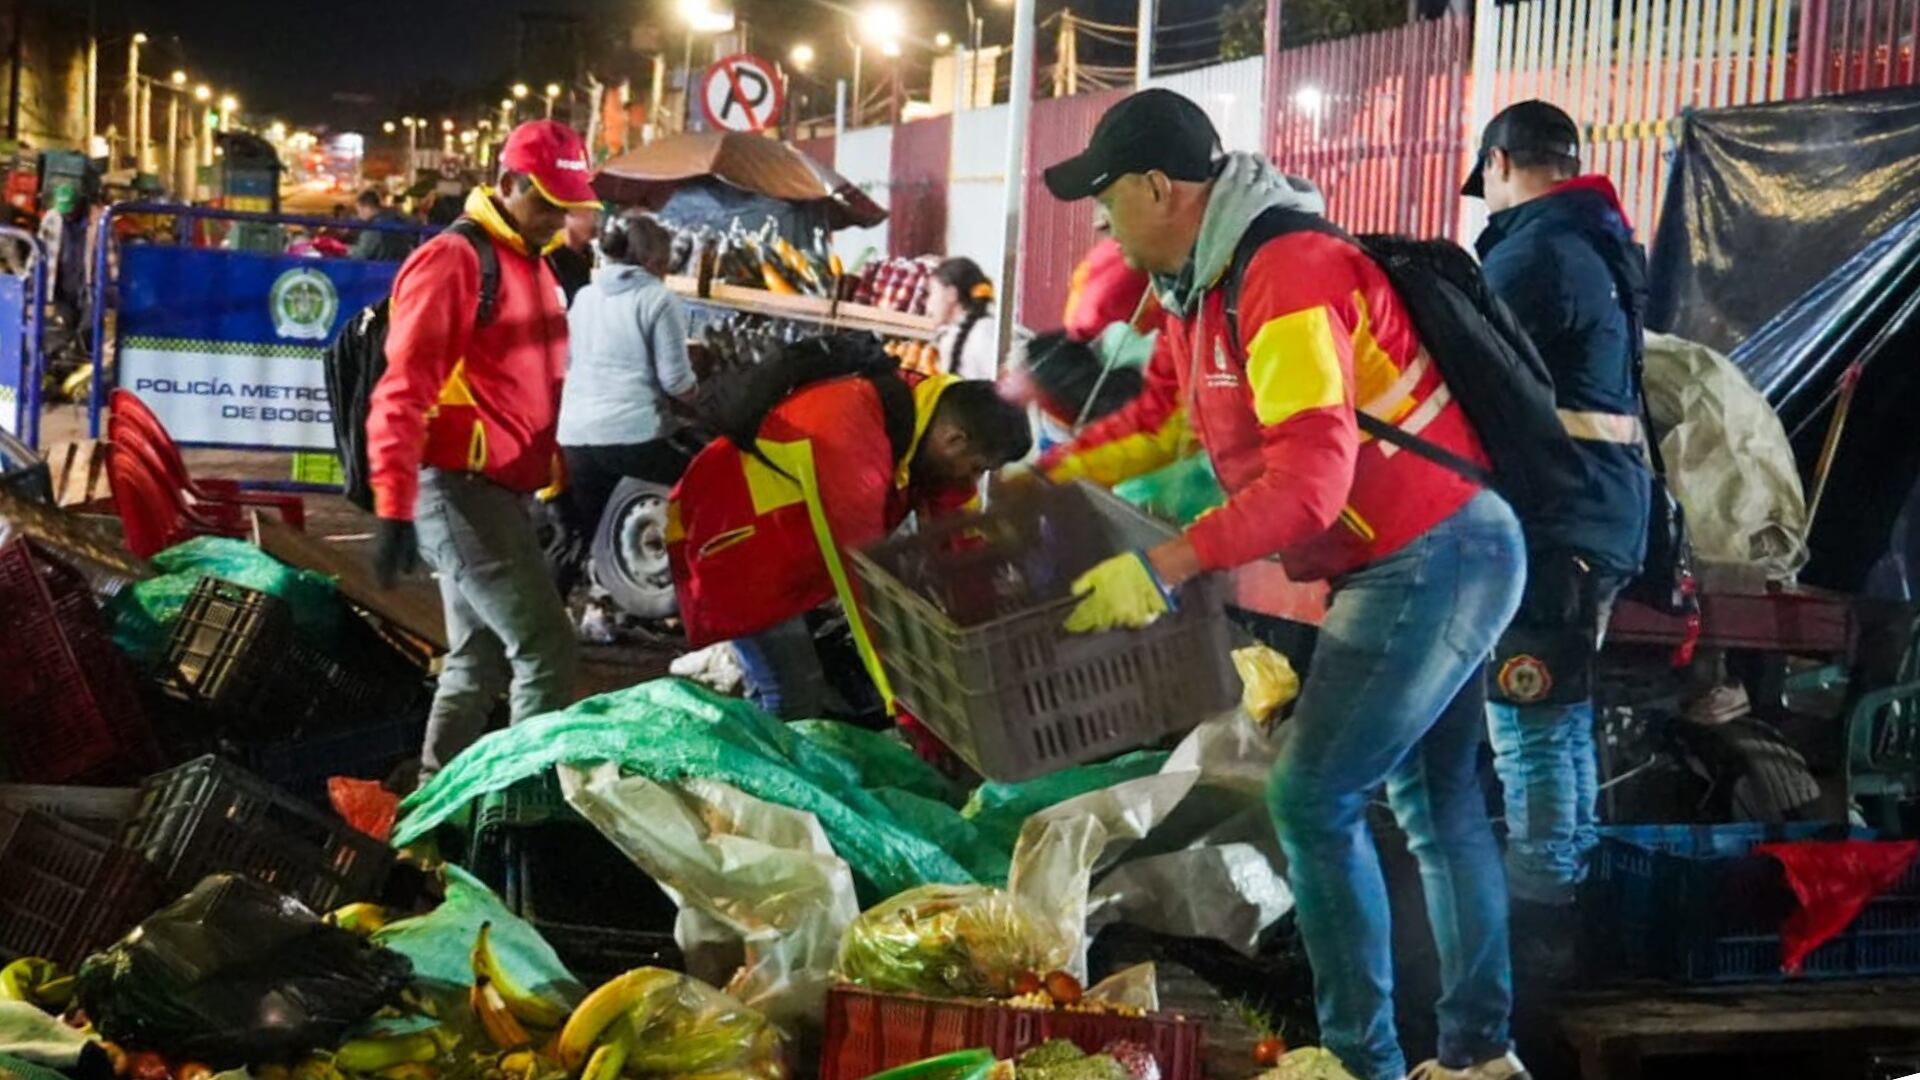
<point>315,63</point>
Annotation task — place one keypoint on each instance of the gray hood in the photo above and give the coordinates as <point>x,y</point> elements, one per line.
<point>1247,187</point>
<point>615,277</point>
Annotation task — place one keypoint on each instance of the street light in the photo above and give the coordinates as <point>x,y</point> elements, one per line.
<point>228,106</point>
<point>943,40</point>
<point>446,125</point>
<point>519,91</point>
<point>178,79</point>
<point>802,56</point>
<point>553,91</point>
<point>203,93</point>
<point>134,142</point>
<point>387,127</point>
<point>890,48</point>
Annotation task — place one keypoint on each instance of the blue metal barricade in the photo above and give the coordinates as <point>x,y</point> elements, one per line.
<point>23,299</point>
<point>225,345</point>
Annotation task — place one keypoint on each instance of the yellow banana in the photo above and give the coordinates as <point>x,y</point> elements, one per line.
<point>496,1019</point>
<point>612,1000</point>
<point>373,1055</point>
<point>36,981</point>
<point>607,1060</point>
<point>526,1006</point>
<point>363,919</point>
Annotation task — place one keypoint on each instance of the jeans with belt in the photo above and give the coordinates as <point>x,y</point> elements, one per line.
<point>1396,697</point>
<point>507,629</point>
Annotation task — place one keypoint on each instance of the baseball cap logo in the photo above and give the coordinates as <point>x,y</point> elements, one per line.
<point>576,164</point>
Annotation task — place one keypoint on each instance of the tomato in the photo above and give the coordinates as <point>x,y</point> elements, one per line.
<point>147,1065</point>
<point>1267,1052</point>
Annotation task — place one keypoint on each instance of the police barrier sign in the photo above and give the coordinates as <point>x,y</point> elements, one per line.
<point>226,346</point>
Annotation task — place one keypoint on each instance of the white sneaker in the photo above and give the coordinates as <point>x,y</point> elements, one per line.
<point>1505,1067</point>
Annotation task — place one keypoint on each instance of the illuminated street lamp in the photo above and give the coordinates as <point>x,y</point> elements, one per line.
<point>882,25</point>
<point>519,91</point>
<point>552,92</point>
<point>203,93</point>
<point>387,127</point>
<point>179,79</point>
<point>228,106</point>
<point>802,56</point>
<point>943,40</point>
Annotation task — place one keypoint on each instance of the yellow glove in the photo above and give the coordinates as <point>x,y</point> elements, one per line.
<point>1267,681</point>
<point>1122,592</point>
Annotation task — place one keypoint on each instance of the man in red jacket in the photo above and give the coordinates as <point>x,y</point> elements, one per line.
<point>757,533</point>
<point>1279,334</point>
<point>460,431</point>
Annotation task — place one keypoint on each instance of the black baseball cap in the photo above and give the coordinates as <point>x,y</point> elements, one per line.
<point>1153,129</point>
<point>1529,125</point>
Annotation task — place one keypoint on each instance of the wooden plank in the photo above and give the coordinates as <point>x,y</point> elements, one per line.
<point>413,606</point>
<point>79,472</point>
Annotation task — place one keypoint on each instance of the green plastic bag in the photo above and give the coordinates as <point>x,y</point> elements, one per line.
<point>999,810</point>
<point>143,613</point>
<point>1179,493</point>
<point>440,943</point>
<point>669,730</point>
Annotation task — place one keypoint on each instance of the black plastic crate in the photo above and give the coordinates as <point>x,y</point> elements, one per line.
<point>596,954</point>
<point>236,658</point>
<point>302,766</point>
<point>1692,904</point>
<point>71,702</point>
<point>66,891</point>
<point>99,810</point>
<point>210,816</point>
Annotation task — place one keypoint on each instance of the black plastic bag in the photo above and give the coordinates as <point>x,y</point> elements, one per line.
<point>237,973</point>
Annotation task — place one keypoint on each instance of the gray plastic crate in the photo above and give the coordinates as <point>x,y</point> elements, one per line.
<point>966,615</point>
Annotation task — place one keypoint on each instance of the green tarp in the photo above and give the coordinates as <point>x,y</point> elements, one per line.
<point>143,613</point>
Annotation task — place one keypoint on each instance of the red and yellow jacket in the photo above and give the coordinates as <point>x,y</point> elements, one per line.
<point>463,397</point>
<point>1323,334</point>
<point>751,548</point>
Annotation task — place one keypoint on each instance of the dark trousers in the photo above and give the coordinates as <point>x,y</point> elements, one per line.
<point>593,472</point>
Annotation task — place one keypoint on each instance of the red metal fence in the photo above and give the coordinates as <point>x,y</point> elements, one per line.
<point>1377,121</point>
<point>1055,235</point>
<point>917,197</point>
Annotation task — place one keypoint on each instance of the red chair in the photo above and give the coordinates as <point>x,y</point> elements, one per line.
<point>154,515</point>
<point>218,500</point>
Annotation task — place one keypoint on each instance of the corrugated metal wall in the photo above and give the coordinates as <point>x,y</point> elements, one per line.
<point>977,190</point>
<point>819,149</point>
<point>865,158</point>
<point>1230,93</point>
<point>921,152</point>
<point>1865,44</point>
<point>1055,235</point>
<point>1378,121</point>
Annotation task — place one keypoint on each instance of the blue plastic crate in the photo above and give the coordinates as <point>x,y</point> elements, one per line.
<point>1674,902</point>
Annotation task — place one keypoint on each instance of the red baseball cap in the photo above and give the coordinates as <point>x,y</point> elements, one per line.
<point>554,157</point>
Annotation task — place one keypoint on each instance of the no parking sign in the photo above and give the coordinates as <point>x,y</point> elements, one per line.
<point>741,93</point>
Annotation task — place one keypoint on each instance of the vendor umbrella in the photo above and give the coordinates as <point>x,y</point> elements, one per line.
<point>648,175</point>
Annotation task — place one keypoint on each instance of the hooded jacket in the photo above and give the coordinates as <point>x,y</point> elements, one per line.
<point>463,397</point>
<point>1548,258</point>
<point>628,354</point>
<point>1321,334</point>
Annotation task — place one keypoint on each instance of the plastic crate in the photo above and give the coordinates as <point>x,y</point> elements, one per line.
<point>869,1033</point>
<point>1683,903</point>
<point>301,767</point>
<point>966,615</point>
<point>210,816</point>
<point>235,656</point>
<point>66,891</point>
<point>595,954</point>
<point>71,702</point>
<point>100,810</point>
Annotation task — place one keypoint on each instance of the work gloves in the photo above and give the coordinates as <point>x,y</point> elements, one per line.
<point>396,551</point>
<point>1120,593</point>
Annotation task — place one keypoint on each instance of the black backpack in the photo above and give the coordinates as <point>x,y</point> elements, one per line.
<point>735,406</point>
<point>1487,360</point>
<point>358,357</point>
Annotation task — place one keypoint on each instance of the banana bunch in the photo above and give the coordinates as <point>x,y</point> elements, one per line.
<point>506,1009</point>
<point>37,981</point>
<point>362,919</point>
<point>652,1022</point>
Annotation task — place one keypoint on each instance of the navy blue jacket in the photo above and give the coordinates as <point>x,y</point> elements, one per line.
<point>1548,258</point>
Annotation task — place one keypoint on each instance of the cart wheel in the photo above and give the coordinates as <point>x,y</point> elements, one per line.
<point>1762,776</point>
<point>630,550</point>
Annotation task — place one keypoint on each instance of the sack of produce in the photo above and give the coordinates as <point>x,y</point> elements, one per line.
<point>950,940</point>
<point>652,1022</point>
<point>237,972</point>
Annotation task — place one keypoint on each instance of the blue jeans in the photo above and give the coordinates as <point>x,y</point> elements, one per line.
<point>1396,696</point>
<point>783,670</point>
<point>1545,758</point>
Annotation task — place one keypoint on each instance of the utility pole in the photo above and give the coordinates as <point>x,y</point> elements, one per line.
<point>133,96</point>
<point>173,140</point>
<point>1143,43</point>
<point>145,140</point>
<point>1019,114</point>
<point>93,76</point>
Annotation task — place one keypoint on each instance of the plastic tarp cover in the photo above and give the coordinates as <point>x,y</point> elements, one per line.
<point>1728,459</point>
<point>1766,200</point>
<point>440,942</point>
<point>669,730</point>
<point>143,614</point>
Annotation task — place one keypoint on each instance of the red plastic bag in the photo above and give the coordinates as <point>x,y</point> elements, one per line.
<point>1833,881</point>
<point>364,804</point>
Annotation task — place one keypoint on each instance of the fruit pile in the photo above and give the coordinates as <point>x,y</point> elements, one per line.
<point>1060,990</point>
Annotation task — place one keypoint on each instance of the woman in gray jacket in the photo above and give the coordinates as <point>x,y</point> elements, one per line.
<point>627,358</point>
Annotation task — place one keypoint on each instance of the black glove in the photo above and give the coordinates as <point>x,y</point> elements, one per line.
<point>396,551</point>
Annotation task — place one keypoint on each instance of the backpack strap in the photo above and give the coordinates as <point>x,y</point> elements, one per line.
<point>1279,221</point>
<point>475,235</point>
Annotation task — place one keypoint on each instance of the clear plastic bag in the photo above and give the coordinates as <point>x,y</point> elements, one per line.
<point>950,940</point>
<point>681,1027</point>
